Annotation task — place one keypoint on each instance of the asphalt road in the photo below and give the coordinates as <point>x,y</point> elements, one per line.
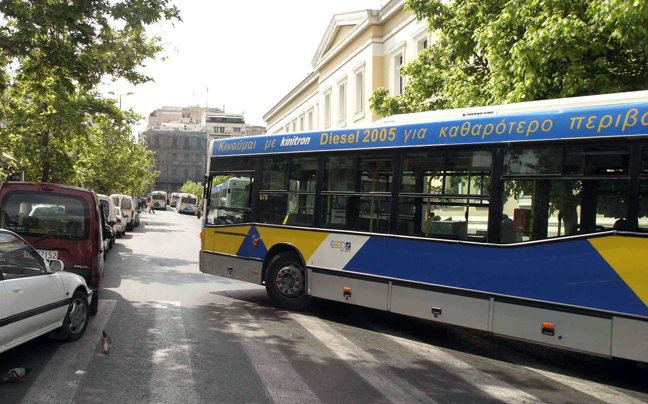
<point>180,336</point>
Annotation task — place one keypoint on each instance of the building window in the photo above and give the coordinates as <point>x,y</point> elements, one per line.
<point>316,117</point>
<point>175,141</point>
<point>174,172</point>
<point>342,101</point>
<point>422,43</point>
<point>237,130</point>
<point>301,123</point>
<point>219,129</point>
<point>187,140</point>
<point>358,93</point>
<point>287,128</point>
<point>327,109</point>
<point>309,121</point>
<point>157,141</point>
<point>174,157</point>
<point>398,60</point>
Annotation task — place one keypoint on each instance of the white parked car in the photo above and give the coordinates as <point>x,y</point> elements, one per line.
<point>36,297</point>
<point>120,222</point>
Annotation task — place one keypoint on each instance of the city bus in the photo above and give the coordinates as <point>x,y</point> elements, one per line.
<point>174,199</point>
<point>527,220</point>
<point>159,199</point>
<point>187,203</point>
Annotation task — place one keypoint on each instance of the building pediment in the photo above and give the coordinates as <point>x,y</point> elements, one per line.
<point>341,26</point>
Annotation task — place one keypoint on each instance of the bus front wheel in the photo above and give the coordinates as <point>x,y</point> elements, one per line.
<point>286,281</point>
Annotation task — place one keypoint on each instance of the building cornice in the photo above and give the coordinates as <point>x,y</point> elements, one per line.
<point>292,94</point>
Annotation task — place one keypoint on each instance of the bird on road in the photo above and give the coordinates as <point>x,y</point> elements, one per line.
<point>106,341</point>
<point>15,375</point>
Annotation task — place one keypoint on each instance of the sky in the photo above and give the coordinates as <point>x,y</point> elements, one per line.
<point>248,53</point>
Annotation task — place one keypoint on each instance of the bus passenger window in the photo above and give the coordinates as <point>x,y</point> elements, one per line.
<point>445,195</point>
<point>643,205</point>
<point>537,209</point>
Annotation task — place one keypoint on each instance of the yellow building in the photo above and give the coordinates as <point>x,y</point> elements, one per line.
<point>360,52</point>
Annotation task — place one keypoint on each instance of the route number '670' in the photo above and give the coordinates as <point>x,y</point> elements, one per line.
<point>263,197</point>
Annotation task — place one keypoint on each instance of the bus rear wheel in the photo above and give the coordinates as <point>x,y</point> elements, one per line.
<point>286,281</point>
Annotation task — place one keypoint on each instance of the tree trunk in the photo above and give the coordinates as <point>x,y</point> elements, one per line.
<point>46,159</point>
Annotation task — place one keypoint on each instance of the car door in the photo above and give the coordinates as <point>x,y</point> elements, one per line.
<point>3,312</point>
<point>36,301</point>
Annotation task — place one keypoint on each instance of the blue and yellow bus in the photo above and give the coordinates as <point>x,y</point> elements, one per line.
<point>159,199</point>
<point>528,220</point>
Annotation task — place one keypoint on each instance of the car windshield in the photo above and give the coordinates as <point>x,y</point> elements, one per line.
<point>44,213</point>
<point>189,200</point>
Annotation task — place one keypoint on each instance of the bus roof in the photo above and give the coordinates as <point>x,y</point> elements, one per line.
<point>621,114</point>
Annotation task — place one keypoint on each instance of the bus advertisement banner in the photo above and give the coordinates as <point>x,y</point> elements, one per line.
<point>606,121</point>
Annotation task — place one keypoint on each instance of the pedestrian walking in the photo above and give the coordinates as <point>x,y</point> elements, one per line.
<point>151,210</point>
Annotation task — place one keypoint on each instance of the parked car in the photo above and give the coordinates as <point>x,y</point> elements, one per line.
<point>108,206</point>
<point>62,223</point>
<point>120,224</point>
<point>125,203</point>
<point>37,297</point>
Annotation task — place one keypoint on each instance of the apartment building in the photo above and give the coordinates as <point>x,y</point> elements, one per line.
<point>180,136</point>
<point>360,52</point>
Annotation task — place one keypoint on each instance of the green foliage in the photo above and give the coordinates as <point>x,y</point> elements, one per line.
<point>53,55</point>
<point>80,41</point>
<point>504,51</point>
<point>191,187</point>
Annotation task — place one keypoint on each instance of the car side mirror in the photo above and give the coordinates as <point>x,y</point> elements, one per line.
<point>56,265</point>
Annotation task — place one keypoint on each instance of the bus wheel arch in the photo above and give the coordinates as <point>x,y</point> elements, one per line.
<point>284,272</point>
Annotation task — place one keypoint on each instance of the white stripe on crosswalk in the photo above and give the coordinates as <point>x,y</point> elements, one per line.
<point>375,373</point>
<point>596,390</point>
<point>483,381</point>
<point>172,379</point>
<point>280,379</point>
<point>60,380</point>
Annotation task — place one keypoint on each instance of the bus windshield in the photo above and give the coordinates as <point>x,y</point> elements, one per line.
<point>158,197</point>
<point>189,200</point>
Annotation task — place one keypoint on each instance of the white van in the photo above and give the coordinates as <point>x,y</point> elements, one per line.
<point>108,206</point>
<point>127,206</point>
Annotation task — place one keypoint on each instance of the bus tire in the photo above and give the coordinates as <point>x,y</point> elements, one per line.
<point>286,282</point>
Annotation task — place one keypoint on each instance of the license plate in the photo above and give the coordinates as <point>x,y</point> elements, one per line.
<point>48,254</point>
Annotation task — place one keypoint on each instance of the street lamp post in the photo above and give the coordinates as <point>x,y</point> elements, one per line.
<point>120,96</point>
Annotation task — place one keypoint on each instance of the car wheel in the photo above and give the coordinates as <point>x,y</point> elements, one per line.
<point>76,319</point>
<point>94,306</point>
<point>286,281</point>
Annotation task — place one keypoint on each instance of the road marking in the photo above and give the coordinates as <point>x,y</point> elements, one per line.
<point>598,391</point>
<point>172,379</point>
<point>283,383</point>
<point>60,380</point>
<point>483,381</point>
<point>375,373</point>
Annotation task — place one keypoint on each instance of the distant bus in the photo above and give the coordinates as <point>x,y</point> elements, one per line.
<point>174,199</point>
<point>159,199</point>
<point>526,220</point>
<point>187,203</point>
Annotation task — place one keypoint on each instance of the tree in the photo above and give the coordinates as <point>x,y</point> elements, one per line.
<point>53,54</point>
<point>193,188</point>
<point>80,42</point>
<point>505,51</point>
